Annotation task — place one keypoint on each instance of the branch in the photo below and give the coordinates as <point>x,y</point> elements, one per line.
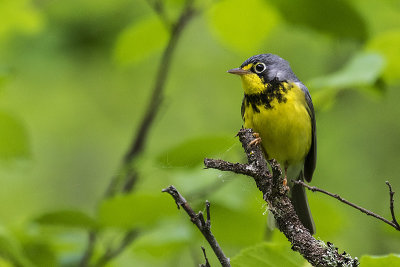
<point>129,174</point>
<point>198,220</point>
<point>157,97</point>
<point>270,183</point>
<point>393,223</point>
<point>391,193</point>
<point>89,249</point>
<point>159,8</point>
<point>111,253</point>
<point>207,264</point>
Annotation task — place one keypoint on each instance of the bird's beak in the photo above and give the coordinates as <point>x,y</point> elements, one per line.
<point>239,71</point>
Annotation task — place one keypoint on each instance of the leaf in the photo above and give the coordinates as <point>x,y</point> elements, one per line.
<point>5,262</point>
<point>167,239</point>
<point>134,210</point>
<point>67,218</point>
<point>242,25</point>
<point>13,138</point>
<point>40,253</point>
<point>191,153</point>
<point>378,261</point>
<point>362,72</point>
<point>337,17</point>
<point>12,251</point>
<point>250,221</point>
<point>19,16</point>
<point>140,40</point>
<point>267,254</point>
<point>363,69</point>
<point>388,44</point>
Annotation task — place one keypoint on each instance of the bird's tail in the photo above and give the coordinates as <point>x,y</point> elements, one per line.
<point>300,203</point>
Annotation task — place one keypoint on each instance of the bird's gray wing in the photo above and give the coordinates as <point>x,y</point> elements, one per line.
<point>311,158</point>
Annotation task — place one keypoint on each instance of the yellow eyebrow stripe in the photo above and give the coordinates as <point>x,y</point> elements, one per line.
<point>247,67</point>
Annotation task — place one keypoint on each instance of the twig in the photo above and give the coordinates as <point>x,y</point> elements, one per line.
<point>274,193</point>
<point>392,206</point>
<point>363,210</point>
<point>89,249</point>
<point>159,8</point>
<point>111,253</point>
<point>198,220</point>
<point>207,264</point>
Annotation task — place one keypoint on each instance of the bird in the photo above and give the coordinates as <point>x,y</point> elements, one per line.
<point>279,109</point>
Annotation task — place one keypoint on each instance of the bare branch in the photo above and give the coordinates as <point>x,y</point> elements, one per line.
<point>208,221</point>
<point>274,193</point>
<point>89,249</point>
<point>198,220</point>
<point>222,165</point>
<point>207,264</point>
<point>159,8</point>
<point>156,99</point>
<point>363,210</point>
<point>392,206</point>
<point>125,181</point>
<point>111,253</point>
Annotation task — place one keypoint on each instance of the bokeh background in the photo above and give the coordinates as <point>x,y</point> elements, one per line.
<point>75,79</point>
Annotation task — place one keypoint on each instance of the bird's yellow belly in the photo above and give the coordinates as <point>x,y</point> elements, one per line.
<point>285,129</point>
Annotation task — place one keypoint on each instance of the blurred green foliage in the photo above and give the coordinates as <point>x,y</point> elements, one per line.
<point>265,254</point>
<point>75,78</point>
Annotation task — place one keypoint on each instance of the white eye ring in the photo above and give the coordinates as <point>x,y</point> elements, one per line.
<point>259,67</point>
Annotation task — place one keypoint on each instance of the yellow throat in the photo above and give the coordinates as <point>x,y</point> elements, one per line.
<point>279,113</point>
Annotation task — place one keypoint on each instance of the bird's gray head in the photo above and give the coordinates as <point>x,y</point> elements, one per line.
<point>270,67</point>
<point>260,70</point>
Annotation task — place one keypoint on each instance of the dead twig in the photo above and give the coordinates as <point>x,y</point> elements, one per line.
<point>206,264</point>
<point>393,223</point>
<point>203,225</point>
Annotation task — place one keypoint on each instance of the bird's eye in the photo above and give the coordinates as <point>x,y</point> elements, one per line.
<point>259,67</point>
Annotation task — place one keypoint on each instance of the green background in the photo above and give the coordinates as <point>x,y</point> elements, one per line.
<point>76,76</point>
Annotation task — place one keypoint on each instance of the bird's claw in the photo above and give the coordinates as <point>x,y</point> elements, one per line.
<point>255,141</point>
<point>285,186</point>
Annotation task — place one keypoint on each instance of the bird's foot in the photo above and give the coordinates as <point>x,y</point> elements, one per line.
<point>257,139</point>
<point>285,183</point>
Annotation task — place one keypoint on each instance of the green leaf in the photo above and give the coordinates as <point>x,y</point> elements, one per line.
<point>11,250</point>
<point>268,255</point>
<point>378,261</point>
<point>250,221</point>
<point>388,44</point>
<point>135,210</point>
<point>169,238</point>
<point>40,253</point>
<point>363,69</point>
<point>13,138</point>
<point>191,153</point>
<point>361,72</point>
<point>242,25</point>
<point>337,17</point>
<point>6,263</point>
<point>67,218</point>
<point>140,40</point>
<point>19,16</point>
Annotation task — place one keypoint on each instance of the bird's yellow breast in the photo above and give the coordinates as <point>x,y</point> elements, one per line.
<point>284,124</point>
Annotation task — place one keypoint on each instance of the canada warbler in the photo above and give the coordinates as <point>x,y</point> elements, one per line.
<point>278,106</point>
